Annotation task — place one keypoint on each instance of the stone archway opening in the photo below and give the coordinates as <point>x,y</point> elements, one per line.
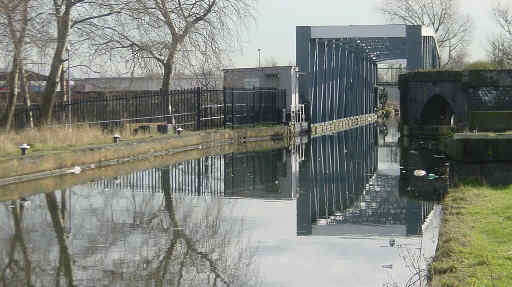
<point>437,112</point>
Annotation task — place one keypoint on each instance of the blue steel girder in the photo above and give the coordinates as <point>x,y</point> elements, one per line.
<point>338,64</point>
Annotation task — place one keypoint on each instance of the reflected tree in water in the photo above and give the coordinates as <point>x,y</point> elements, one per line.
<point>202,254</point>
<point>126,239</point>
<point>17,267</point>
<point>57,217</point>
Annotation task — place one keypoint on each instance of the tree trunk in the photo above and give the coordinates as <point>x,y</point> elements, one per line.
<point>12,96</point>
<point>169,63</point>
<point>166,80</point>
<point>48,97</point>
<point>26,96</point>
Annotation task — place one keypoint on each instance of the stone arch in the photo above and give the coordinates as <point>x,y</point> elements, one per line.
<point>437,111</point>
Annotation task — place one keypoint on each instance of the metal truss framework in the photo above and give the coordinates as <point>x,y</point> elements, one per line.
<point>340,185</point>
<point>339,64</point>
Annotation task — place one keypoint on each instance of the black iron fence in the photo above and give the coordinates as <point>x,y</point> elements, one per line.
<point>253,106</point>
<point>190,109</point>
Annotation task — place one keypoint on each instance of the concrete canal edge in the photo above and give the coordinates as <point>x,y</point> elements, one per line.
<point>342,124</point>
<point>478,147</point>
<point>117,168</point>
<point>42,165</point>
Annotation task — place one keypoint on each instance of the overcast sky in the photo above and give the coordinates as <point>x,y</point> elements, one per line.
<point>274,30</point>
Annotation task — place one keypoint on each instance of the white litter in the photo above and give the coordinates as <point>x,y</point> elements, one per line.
<point>420,172</point>
<point>75,170</point>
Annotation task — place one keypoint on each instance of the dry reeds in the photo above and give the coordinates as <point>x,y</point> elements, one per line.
<point>58,138</point>
<point>50,138</point>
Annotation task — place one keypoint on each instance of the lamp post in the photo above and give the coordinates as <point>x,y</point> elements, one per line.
<point>68,49</point>
<point>259,58</point>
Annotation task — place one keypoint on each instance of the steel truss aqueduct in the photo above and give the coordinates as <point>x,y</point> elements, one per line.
<point>338,64</point>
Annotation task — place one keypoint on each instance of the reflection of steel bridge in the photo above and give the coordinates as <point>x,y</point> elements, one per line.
<point>340,186</point>
<point>337,169</point>
<point>339,64</point>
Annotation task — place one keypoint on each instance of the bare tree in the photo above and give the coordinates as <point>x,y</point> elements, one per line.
<point>162,34</point>
<point>15,15</point>
<point>500,46</point>
<point>206,73</point>
<point>69,15</point>
<point>452,28</point>
<point>26,95</point>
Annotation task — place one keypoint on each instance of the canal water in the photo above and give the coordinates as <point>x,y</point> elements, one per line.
<point>339,210</point>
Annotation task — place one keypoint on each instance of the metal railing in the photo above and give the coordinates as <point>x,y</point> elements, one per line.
<point>191,109</point>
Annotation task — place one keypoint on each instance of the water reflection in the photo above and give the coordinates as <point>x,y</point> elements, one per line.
<point>239,219</point>
<point>117,237</point>
<point>350,187</point>
<point>424,154</point>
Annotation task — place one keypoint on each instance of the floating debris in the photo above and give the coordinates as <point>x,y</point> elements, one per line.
<point>432,176</point>
<point>388,266</point>
<point>322,221</point>
<point>420,172</point>
<point>25,202</point>
<point>75,170</point>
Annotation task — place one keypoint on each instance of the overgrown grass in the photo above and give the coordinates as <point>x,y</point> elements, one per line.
<point>87,153</point>
<point>475,244</point>
<point>59,138</point>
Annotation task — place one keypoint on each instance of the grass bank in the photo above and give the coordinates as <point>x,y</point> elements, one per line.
<point>475,243</point>
<point>61,138</point>
<point>87,154</point>
<point>52,183</point>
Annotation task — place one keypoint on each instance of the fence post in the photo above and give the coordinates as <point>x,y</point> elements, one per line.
<point>274,104</point>
<point>253,108</point>
<point>198,102</point>
<point>224,107</point>
<point>232,108</point>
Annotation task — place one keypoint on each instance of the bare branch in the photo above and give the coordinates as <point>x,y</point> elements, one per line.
<point>452,28</point>
<point>500,46</point>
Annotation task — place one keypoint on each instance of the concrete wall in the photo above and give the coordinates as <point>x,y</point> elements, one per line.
<point>458,88</point>
<point>497,121</point>
<point>279,77</point>
<point>490,173</point>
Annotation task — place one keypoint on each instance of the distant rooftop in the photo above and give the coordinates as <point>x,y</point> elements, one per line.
<point>252,68</point>
<point>31,76</point>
